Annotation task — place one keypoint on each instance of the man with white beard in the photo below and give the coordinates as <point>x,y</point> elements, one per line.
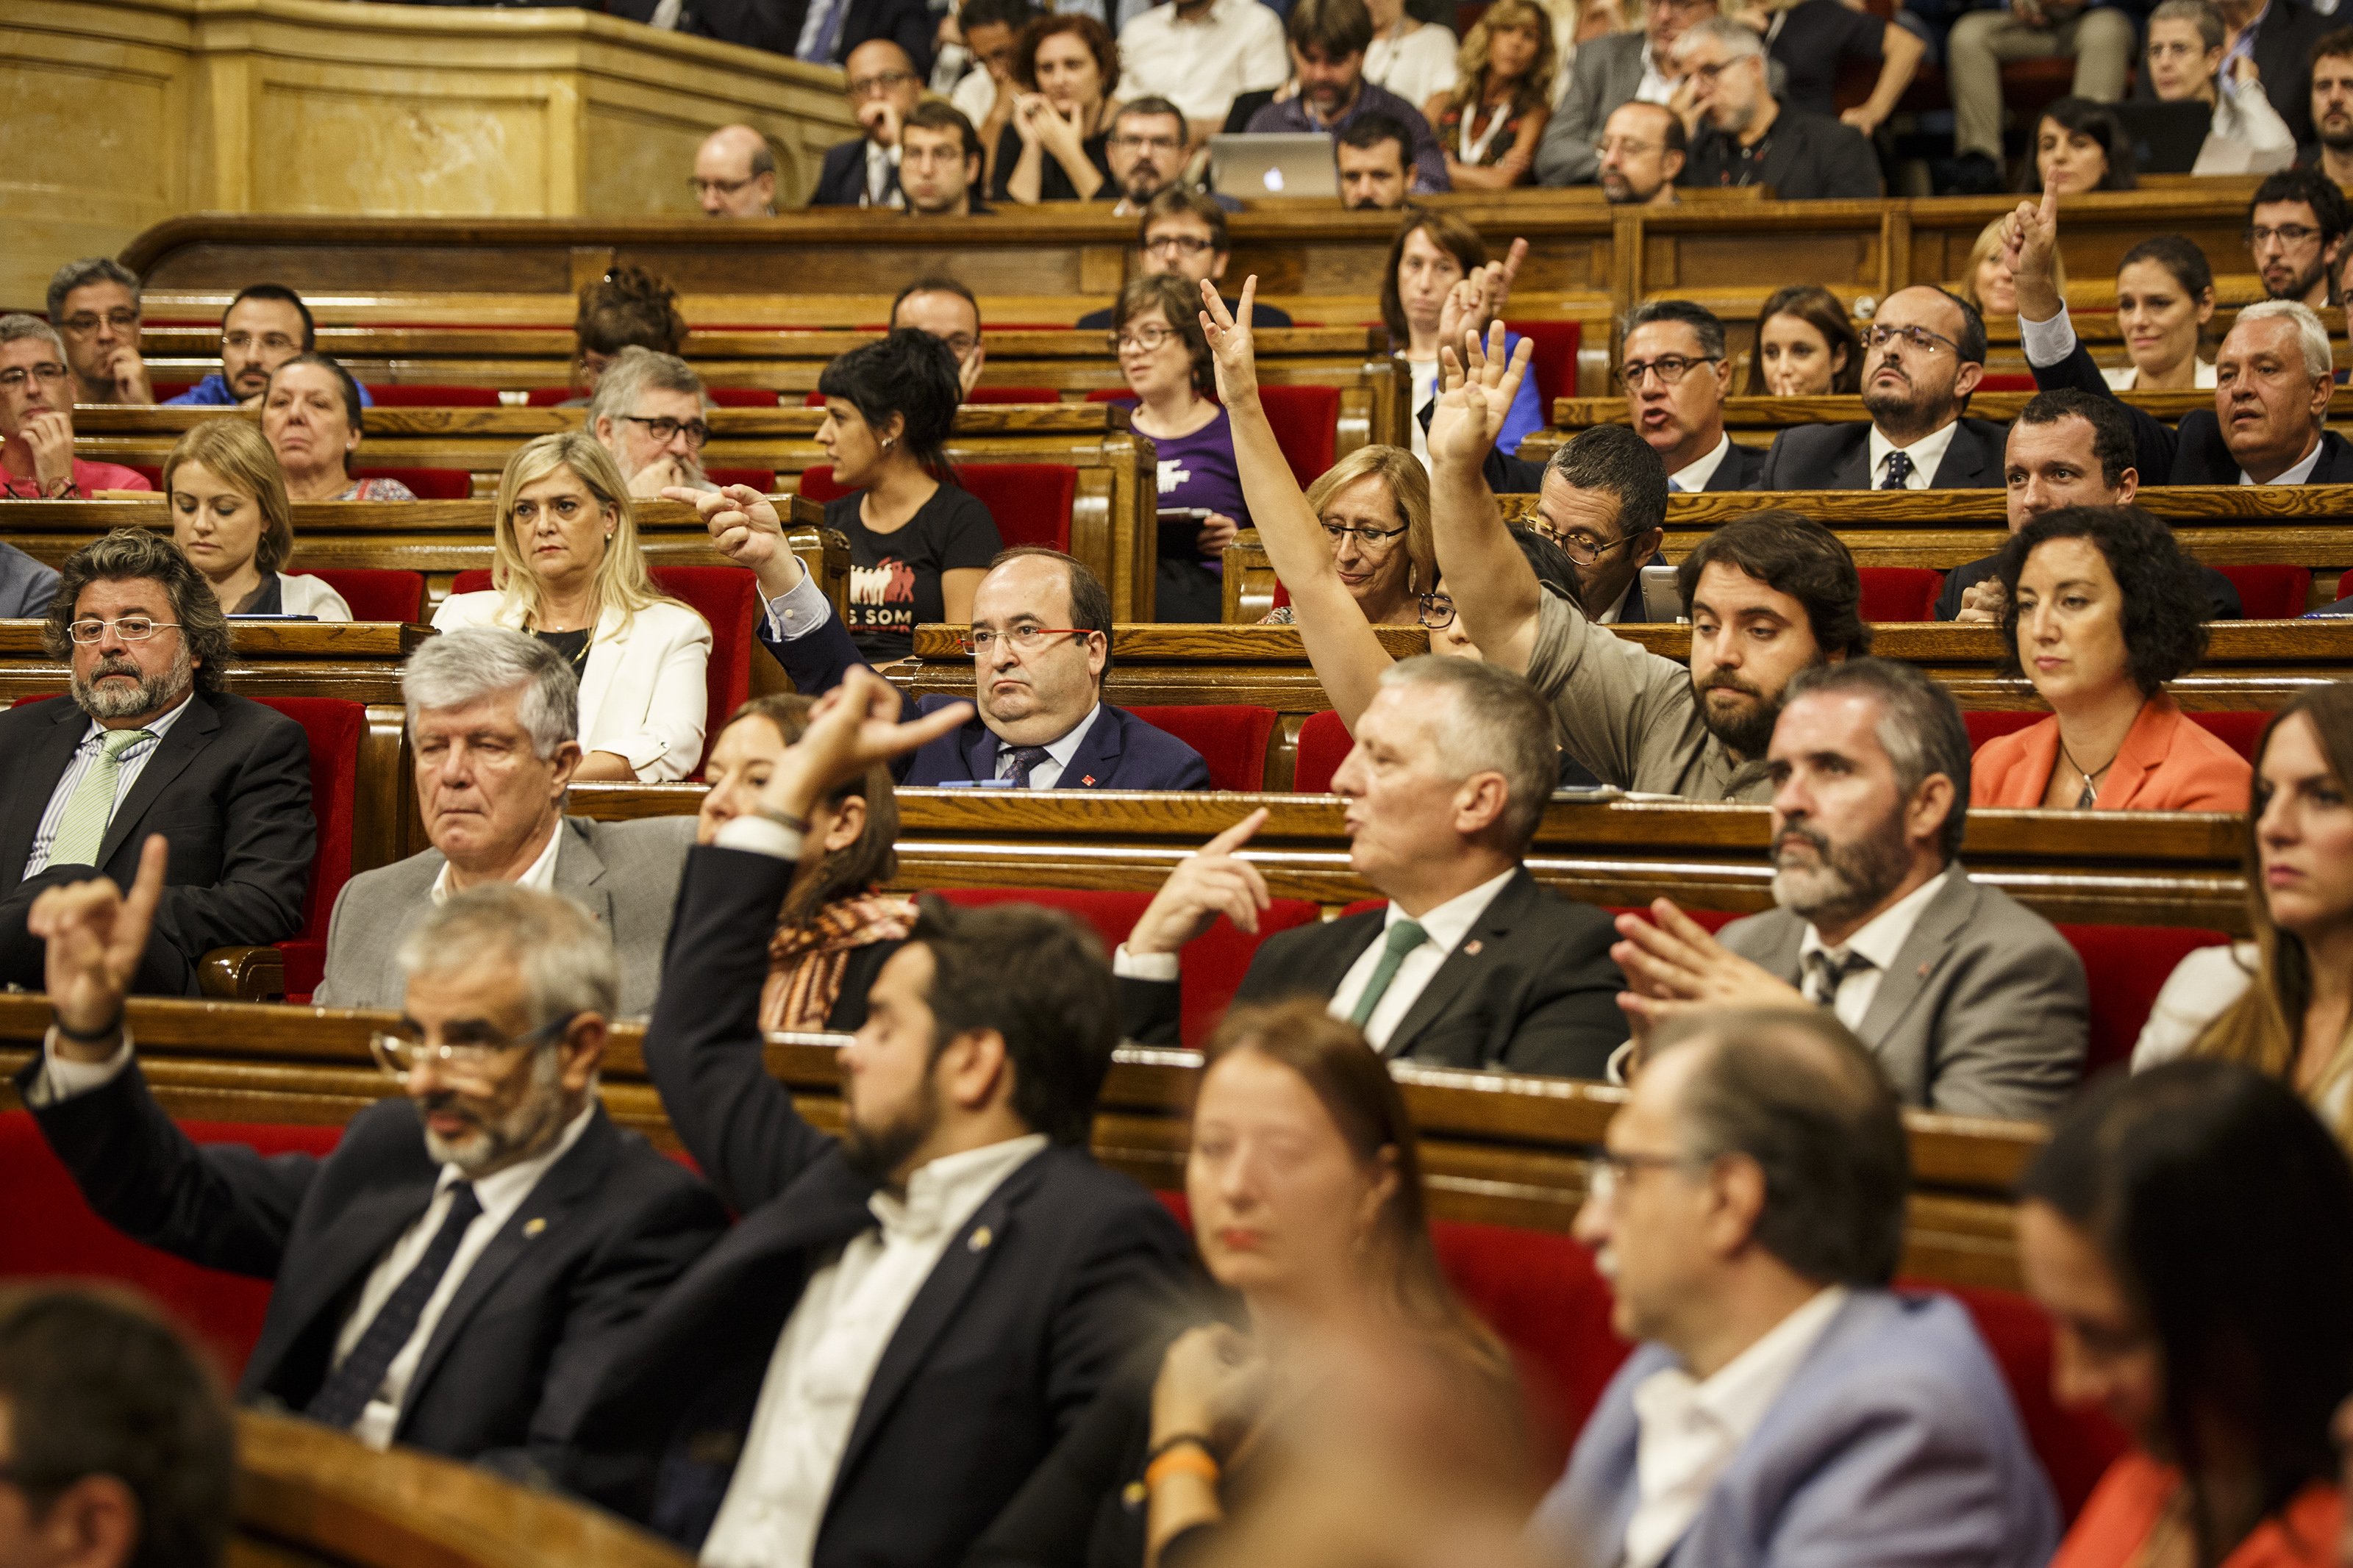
<point>1973,1004</point>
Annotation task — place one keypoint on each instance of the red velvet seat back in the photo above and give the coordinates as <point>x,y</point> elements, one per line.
<point>1214,962</point>
<point>1985,725</point>
<point>2006,381</point>
<point>2124,966</point>
<point>1900,592</point>
<point>761,480</point>
<point>1231,737</point>
<point>1714,920</point>
<point>332,725</point>
<point>741,397</point>
<point>548,396</point>
<point>1030,501</point>
<point>1552,360</point>
<point>2074,1445</point>
<point>425,484</point>
<point>2271,592</point>
<point>413,396</point>
<point>1013,395</point>
<point>1324,744</point>
<point>378,593</point>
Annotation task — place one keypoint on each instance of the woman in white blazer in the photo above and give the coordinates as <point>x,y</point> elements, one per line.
<point>566,569</point>
<point>231,519</point>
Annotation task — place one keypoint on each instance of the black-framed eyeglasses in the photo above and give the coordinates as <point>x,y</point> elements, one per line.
<point>1437,611</point>
<point>1176,245</point>
<point>1921,338</point>
<point>701,187</point>
<point>663,429</point>
<point>17,376</point>
<point>1579,549</point>
<point>1668,368</point>
<point>1148,338</point>
<point>881,82</point>
<point>1154,143</point>
<point>400,1054</point>
<point>130,628</point>
<point>89,321</point>
<point>1374,539</point>
<point>2287,234</point>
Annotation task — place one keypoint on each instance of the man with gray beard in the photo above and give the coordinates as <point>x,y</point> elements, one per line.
<point>152,741</point>
<point>452,1276</point>
<point>1973,1004</point>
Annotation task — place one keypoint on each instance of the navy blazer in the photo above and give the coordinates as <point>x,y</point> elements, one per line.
<point>842,181</point>
<point>1838,458</point>
<point>515,1351</point>
<point>1120,751</point>
<point>2193,453</point>
<point>1742,469</point>
<point>1062,1275</point>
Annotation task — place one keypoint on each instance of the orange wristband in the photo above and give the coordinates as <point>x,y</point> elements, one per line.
<point>1190,1459</point>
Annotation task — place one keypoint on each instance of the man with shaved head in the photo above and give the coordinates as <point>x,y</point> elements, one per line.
<point>735,173</point>
<point>883,91</point>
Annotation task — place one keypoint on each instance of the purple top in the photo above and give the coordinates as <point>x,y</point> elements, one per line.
<point>1198,470</point>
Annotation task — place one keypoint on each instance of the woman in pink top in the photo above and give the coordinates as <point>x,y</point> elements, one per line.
<point>37,438</point>
<point>2104,610</point>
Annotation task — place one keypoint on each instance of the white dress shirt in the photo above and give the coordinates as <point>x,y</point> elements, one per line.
<point>1689,1432</point>
<point>130,764</point>
<point>1657,87</point>
<point>1443,929</point>
<point>1926,453</point>
<point>1880,940</point>
<point>1202,65</point>
<point>827,1355</point>
<point>1692,477</point>
<point>540,876</point>
<point>1049,773</point>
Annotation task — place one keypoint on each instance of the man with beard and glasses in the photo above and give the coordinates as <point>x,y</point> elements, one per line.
<point>1923,354</point>
<point>1642,149</point>
<point>908,1317</point>
<point>451,1277</point>
<point>149,739</point>
<point>1973,1004</point>
<point>649,411</point>
<point>1768,595</point>
<point>1148,145</point>
<point>2296,225</point>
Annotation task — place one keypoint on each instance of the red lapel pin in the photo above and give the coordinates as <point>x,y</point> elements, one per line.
<point>1471,947</point>
<point>1089,779</point>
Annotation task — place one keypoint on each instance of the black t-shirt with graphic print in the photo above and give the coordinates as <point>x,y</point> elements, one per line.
<point>895,578</point>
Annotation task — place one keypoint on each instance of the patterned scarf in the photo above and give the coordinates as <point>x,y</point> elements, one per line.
<point>805,962</point>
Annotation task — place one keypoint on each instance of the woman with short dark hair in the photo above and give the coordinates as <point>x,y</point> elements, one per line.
<point>2080,148</point>
<point>2103,610</point>
<point>1156,336</point>
<point>918,544</point>
<point>313,418</point>
<point>1431,254</point>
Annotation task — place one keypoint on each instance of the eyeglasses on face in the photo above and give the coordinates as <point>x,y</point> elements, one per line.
<point>1371,540</point>
<point>1437,611</point>
<point>880,82</point>
<point>1625,147</point>
<point>1176,245</point>
<point>1144,143</point>
<point>1668,368</point>
<point>1608,1170</point>
<point>130,628</point>
<point>719,187</point>
<point>980,642</point>
<point>1147,339</point>
<point>664,429</point>
<point>400,1053</point>
<point>16,377</point>
<point>2289,235</point>
<point>1921,338</point>
<point>269,343</point>
<point>89,322</point>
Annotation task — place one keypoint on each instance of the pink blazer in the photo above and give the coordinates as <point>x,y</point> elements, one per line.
<point>2170,763</point>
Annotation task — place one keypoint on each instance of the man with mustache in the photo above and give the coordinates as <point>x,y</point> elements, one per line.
<point>2296,225</point>
<point>1973,1004</point>
<point>1923,354</point>
<point>149,739</point>
<point>1768,595</point>
<point>265,325</point>
<point>649,411</point>
<point>451,1275</point>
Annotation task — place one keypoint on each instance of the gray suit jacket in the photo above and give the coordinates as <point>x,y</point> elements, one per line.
<point>1895,1445</point>
<point>1983,1012</point>
<point>1607,73</point>
<point>27,586</point>
<point>624,873</point>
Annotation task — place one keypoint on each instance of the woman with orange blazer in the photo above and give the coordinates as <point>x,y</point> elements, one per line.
<point>2103,609</point>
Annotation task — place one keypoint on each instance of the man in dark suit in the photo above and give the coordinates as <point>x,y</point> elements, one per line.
<point>822,32</point>
<point>1973,1004</point>
<point>1472,964</point>
<point>2273,378</point>
<point>1041,637</point>
<point>453,1286</point>
<point>151,741</point>
<point>1676,375</point>
<point>1923,354</point>
<point>908,1317</point>
<point>883,91</point>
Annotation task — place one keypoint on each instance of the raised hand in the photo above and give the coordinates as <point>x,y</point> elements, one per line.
<point>851,729</point>
<point>1211,881</point>
<point>2030,238</point>
<point>1233,352</point>
<point>1479,388</point>
<point>95,937</point>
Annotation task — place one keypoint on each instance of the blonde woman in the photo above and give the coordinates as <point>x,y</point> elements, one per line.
<point>1986,281</point>
<point>231,519</point>
<point>567,570</point>
<point>1490,120</point>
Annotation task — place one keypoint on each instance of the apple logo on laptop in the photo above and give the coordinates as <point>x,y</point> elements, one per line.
<point>1274,179</point>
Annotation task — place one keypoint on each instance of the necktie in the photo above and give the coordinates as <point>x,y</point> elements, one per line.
<point>344,1397</point>
<point>817,39</point>
<point>1403,938</point>
<point>1825,973</point>
<point>1899,472</point>
<point>82,828</point>
<point>1025,762</point>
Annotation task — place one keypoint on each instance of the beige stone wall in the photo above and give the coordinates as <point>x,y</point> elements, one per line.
<point>120,113</point>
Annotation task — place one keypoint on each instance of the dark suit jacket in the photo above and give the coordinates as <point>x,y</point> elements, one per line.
<point>1741,470</point>
<point>842,181</point>
<point>2221,594</point>
<point>1531,989</point>
<point>229,785</point>
<point>1120,751</point>
<point>1838,458</point>
<point>1063,1272</point>
<point>605,1228</point>
<point>776,25</point>
<point>2283,52</point>
<point>2192,453</point>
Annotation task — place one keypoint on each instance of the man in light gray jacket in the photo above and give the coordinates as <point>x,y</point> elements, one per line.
<point>493,717</point>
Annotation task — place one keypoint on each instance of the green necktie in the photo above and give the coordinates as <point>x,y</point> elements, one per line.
<point>82,828</point>
<point>1403,938</point>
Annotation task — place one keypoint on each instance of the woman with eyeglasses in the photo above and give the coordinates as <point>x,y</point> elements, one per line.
<point>1055,149</point>
<point>1165,361</point>
<point>37,438</point>
<point>313,418</point>
<point>918,544</point>
<point>231,519</point>
<point>566,569</point>
<point>1806,346</point>
<point>1431,253</point>
<point>1490,120</point>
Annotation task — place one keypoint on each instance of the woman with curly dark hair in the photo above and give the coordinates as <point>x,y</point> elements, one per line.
<point>629,307</point>
<point>2103,609</point>
<point>1055,146</point>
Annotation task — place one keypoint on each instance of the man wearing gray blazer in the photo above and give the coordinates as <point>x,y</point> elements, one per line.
<point>1785,1408</point>
<point>1607,73</point>
<point>494,719</point>
<point>1973,1004</point>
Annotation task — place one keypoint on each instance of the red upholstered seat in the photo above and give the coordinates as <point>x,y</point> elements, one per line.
<point>165,390</point>
<point>333,726</point>
<point>1983,725</point>
<point>1714,920</point>
<point>410,396</point>
<point>151,472</point>
<point>2124,967</point>
<point>2074,1445</point>
<point>1231,737</point>
<point>1553,360</point>
<point>376,593</point>
<point>2271,592</point>
<point>1900,592</point>
<point>425,484</point>
<point>741,397</point>
<point>1013,395</point>
<point>761,480</point>
<point>1214,962</point>
<point>1030,501</point>
<point>2006,381</point>
<point>1306,421</point>
<point>1324,744</point>
<point>548,396</point>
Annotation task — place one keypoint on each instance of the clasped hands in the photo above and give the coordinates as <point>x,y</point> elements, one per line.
<point>1674,964</point>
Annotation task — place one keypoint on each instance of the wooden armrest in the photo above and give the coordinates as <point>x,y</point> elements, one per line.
<point>243,974</point>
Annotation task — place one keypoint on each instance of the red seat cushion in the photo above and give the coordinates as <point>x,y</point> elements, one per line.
<point>332,725</point>
<point>1984,725</point>
<point>1012,395</point>
<point>1214,962</point>
<point>761,480</point>
<point>740,396</point>
<point>411,397</point>
<point>1552,360</point>
<point>548,396</point>
<point>425,484</point>
<point>1900,592</point>
<point>2271,592</point>
<point>1324,744</point>
<point>1231,738</point>
<point>1712,919</point>
<point>1030,501</point>
<point>2006,381</point>
<point>377,594</point>
<point>2124,966</point>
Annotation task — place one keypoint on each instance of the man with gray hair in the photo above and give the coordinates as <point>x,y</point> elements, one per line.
<point>36,434</point>
<point>1973,1004</point>
<point>493,722</point>
<point>1472,964</point>
<point>1743,135</point>
<point>453,1276</point>
<point>648,413</point>
<point>735,173</point>
<point>94,305</point>
<point>1786,1408</point>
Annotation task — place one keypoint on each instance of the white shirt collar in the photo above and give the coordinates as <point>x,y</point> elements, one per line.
<point>1450,922</point>
<point>1693,476</point>
<point>159,726</point>
<point>942,1194</point>
<point>1926,454</point>
<point>503,1191</point>
<point>1884,935</point>
<point>1063,750</point>
<point>2300,474</point>
<point>540,876</point>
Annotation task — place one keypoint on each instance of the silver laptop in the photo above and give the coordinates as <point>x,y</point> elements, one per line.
<point>1280,163</point>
